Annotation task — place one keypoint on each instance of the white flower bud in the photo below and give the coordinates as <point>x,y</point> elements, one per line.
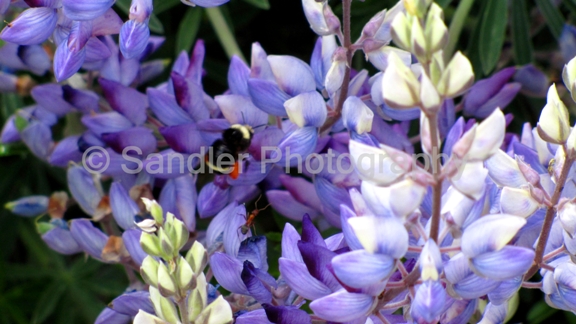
<point>457,77</point>
<point>553,125</point>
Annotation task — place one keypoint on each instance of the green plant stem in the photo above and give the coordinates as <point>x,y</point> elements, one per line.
<point>456,25</point>
<point>549,218</point>
<point>224,33</point>
<point>346,9</point>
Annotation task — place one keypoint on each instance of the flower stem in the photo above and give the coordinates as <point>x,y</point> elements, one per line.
<point>183,310</point>
<point>224,32</point>
<point>436,168</point>
<point>549,218</point>
<point>346,8</point>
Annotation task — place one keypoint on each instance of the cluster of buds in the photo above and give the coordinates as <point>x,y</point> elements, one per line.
<point>421,31</point>
<point>176,282</point>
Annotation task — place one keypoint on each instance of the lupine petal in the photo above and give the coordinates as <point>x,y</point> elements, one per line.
<point>211,200</point>
<point>240,110</point>
<point>109,316</point>
<point>90,239</point>
<point>253,317</point>
<point>429,301</point>
<point>136,137</point>
<point>517,202</point>
<point>307,109</point>
<point>283,202</point>
<point>459,312</point>
<point>215,231</point>
<point>359,269</point>
<point>505,290</point>
<point>342,306</point>
<point>302,190</point>
<point>351,238</point>
<point>166,108</point>
<point>299,279</point>
<point>238,74</point>
<point>357,116</point>
<point>489,137</point>
<point>82,188</point>
<point>383,235</point>
<point>123,207</point>
<point>227,271</point>
<point>507,263</point>
<point>84,100</point>
<point>293,75</point>
<point>490,233</point>
<point>189,96</point>
<point>127,101</point>
<point>32,26</point>
<point>400,199</point>
<point>67,62</point>
<point>474,286</point>
<point>134,37</point>
<point>373,164</point>
<point>253,249</point>
<point>50,97</point>
<point>286,314</point>
<point>131,239</point>
<point>290,238</point>
<point>61,241</point>
<point>494,314</point>
<point>317,260</point>
<point>109,122</point>
<point>310,233</point>
<point>30,206</point>
<point>267,96</point>
<point>504,171</point>
<point>84,9</point>
<point>232,233</point>
<point>96,52</point>
<point>80,32</point>
<point>131,303</point>
<point>255,287</point>
<point>485,90</point>
<point>35,58</point>
<point>564,275</point>
<point>294,146</point>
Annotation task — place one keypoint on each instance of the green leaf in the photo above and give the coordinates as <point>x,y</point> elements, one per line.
<point>262,4</point>
<point>12,149</point>
<point>162,5</point>
<point>540,312</point>
<point>492,32</point>
<point>20,122</point>
<point>154,24</point>
<point>48,302</point>
<point>552,15</point>
<point>188,29</point>
<point>571,5</point>
<point>456,25</point>
<point>224,32</point>
<point>443,3</point>
<point>521,42</point>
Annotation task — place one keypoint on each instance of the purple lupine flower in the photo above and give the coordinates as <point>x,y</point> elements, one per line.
<point>135,32</point>
<point>30,206</point>
<point>89,238</point>
<point>492,93</point>
<point>32,26</point>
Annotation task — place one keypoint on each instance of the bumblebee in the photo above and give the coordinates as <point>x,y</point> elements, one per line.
<point>224,154</point>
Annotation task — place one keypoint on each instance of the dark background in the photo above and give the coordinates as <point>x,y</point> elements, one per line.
<point>39,285</point>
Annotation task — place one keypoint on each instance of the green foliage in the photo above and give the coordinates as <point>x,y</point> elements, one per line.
<point>552,15</point>
<point>188,29</point>
<point>492,31</point>
<point>521,32</point>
